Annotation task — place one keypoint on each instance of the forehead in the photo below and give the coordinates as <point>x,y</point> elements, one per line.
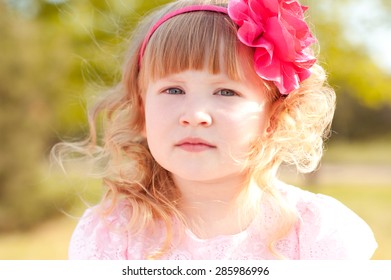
<point>196,41</point>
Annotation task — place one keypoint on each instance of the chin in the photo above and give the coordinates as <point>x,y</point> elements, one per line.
<point>206,176</point>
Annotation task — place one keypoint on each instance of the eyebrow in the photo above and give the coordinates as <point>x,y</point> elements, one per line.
<point>214,79</point>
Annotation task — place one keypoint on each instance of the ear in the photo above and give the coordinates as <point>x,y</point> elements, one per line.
<point>275,111</point>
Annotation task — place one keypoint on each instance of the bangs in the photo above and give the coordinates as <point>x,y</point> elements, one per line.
<point>195,41</point>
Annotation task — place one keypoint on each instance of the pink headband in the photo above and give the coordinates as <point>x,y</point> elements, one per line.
<point>188,9</point>
<point>276,30</point>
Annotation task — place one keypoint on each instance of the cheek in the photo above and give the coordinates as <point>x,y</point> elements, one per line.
<point>153,111</point>
<point>159,118</point>
<point>153,133</point>
<point>151,121</point>
<point>242,129</point>
<point>251,119</point>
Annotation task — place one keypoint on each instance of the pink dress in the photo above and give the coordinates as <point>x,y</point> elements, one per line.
<point>326,230</point>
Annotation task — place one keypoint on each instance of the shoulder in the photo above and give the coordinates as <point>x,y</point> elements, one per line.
<point>327,229</point>
<point>99,235</point>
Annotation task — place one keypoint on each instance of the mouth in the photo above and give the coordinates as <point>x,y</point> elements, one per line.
<point>194,145</point>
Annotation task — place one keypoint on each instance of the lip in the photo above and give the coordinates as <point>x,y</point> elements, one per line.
<point>192,144</point>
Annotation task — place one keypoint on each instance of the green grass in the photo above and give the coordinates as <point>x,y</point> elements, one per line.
<point>67,197</point>
<point>48,241</point>
<point>370,152</point>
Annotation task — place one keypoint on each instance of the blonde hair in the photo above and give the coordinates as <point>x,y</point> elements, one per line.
<point>298,126</point>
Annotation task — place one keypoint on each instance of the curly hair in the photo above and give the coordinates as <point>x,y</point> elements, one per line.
<point>298,127</point>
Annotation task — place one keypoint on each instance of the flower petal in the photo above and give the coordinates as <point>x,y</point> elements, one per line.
<point>281,37</point>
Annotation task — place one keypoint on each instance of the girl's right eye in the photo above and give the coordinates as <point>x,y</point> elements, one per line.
<point>173,91</point>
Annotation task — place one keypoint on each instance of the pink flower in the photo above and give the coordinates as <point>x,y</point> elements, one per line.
<point>281,38</point>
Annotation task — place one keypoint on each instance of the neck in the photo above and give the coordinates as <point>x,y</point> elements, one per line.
<point>218,208</point>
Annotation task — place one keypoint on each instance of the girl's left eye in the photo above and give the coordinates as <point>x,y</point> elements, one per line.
<point>173,91</point>
<point>226,92</point>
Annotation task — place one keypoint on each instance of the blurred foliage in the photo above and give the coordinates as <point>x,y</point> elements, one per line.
<point>351,69</point>
<point>24,115</point>
<point>363,88</point>
<point>50,52</point>
<point>55,53</point>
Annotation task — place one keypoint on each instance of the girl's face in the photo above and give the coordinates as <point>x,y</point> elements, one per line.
<point>201,126</point>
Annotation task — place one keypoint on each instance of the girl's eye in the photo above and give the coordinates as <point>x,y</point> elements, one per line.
<point>226,92</point>
<point>174,91</point>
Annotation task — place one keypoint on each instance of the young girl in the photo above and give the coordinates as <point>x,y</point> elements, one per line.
<point>215,96</point>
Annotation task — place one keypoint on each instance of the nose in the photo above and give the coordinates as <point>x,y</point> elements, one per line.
<point>195,117</point>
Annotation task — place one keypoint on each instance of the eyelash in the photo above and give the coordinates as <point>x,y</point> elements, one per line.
<point>234,93</point>
<point>219,92</point>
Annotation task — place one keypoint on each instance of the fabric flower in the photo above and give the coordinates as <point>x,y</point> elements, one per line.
<point>281,38</point>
